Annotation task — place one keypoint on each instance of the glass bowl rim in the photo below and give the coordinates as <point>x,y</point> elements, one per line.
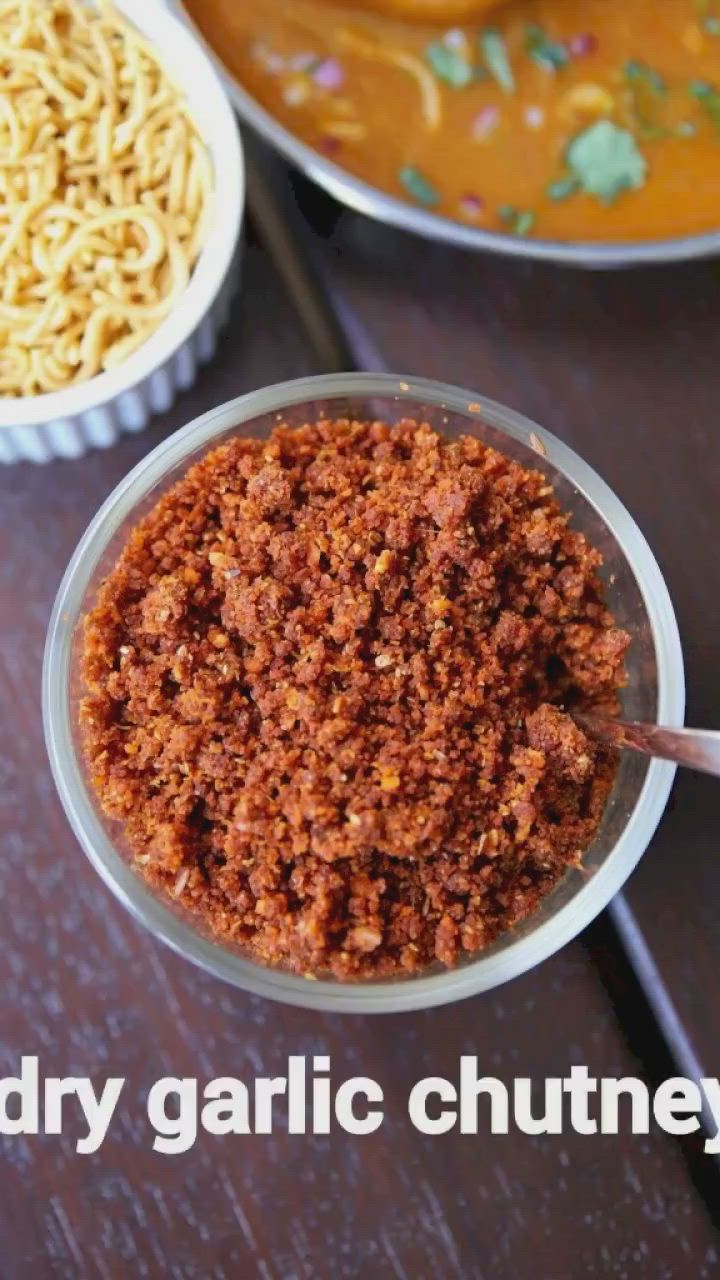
<point>487,971</point>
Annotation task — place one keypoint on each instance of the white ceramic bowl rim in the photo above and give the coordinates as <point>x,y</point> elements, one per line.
<point>194,71</point>
<point>423,992</point>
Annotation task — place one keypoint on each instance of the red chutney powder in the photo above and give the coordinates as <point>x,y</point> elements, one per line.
<point>324,692</point>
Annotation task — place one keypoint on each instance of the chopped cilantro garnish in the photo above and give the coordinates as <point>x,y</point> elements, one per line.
<point>417,185</point>
<point>518,221</point>
<point>605,160</point>
<point>494,52</point>
<point>709,98</point>
<point>524,222</point>
<point>711,24</point>
<point>448,65</point>
<point>639,72</point>
<point>562,188</point>
<point>686,129</point>
<point>550,54</point>
<point>646,87</point>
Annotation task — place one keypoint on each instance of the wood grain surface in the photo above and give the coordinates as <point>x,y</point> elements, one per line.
<point>89,992</point>
<point>625,367</point>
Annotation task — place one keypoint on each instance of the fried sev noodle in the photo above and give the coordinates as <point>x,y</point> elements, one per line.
<point>362,46</point>
<point>105,189</point>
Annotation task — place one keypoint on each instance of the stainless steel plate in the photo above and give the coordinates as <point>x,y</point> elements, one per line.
<point>389,209</point>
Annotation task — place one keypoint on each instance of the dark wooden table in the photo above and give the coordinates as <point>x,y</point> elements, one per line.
<point>624,367</point>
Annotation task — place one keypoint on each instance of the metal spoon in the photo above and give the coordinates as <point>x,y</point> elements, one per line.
<point>694,748</point>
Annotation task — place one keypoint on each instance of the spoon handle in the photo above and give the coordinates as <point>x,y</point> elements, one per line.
<point>694,748</point>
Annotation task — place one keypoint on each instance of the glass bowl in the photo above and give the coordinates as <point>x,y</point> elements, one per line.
<point>636,593</point>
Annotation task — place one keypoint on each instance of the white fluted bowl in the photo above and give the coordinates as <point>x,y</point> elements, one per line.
<point>64,424</point>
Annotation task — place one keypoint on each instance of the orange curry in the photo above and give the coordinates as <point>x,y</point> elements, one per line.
<point>570,119</point>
